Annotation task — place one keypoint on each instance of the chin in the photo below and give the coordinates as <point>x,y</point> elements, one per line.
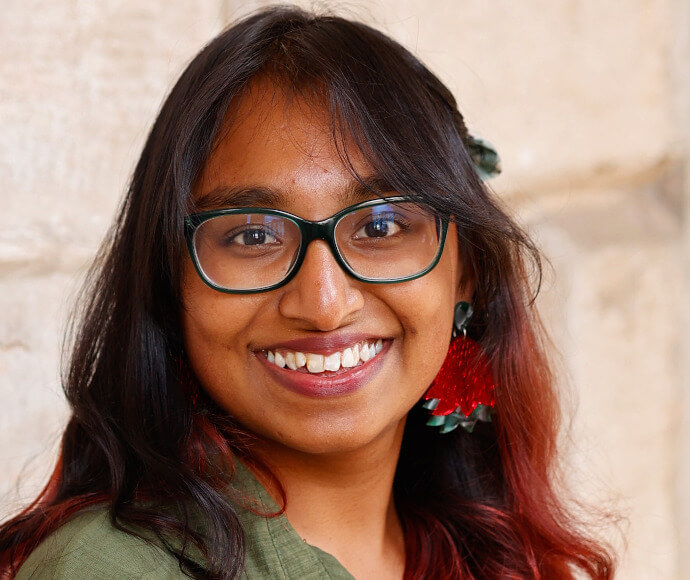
<point>334,436</point>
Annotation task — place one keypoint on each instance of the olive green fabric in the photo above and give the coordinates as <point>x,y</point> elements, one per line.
<point>88,546</point>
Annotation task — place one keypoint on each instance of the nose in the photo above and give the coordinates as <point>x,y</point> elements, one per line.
<point>321,294</point>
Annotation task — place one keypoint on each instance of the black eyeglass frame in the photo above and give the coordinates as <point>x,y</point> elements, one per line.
<point>309,231</point>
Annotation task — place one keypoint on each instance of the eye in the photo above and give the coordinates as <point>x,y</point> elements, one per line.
<point>255,236</point>
<point>381,226</point>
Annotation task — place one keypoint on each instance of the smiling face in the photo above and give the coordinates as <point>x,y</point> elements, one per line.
<point>241,347</point>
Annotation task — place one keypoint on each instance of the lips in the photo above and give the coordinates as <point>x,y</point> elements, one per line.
<point>314,383</point>
<point>323,344</point>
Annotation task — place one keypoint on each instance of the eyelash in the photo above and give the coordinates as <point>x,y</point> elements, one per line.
<point>230,236</point>
<point>397,219</point>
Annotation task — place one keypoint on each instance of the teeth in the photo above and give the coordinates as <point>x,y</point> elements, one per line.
<point>300,359</point>
<point>348,359</point>
<point>315,363</point>
<point>280,361</point>
<point>318,363</point>
<point>332,362</point>
<point>290,361</point>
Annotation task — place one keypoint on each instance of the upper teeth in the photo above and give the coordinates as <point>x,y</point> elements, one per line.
<point>318,363</point>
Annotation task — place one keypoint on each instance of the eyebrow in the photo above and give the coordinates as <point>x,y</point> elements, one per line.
<point>259,196</point>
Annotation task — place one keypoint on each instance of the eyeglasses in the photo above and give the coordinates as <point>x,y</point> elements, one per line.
<point>381,241</point>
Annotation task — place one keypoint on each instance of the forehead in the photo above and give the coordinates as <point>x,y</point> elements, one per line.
<point>278,149</point>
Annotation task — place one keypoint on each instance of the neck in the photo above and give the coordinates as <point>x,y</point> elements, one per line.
<point>343,502</point>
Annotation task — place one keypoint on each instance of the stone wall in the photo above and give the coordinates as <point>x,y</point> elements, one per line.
<point>589,105</point>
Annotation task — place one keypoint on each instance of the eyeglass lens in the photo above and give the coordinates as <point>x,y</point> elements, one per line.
<point>244,251</point>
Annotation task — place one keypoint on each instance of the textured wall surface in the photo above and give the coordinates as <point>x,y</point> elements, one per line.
<point>589,105</point>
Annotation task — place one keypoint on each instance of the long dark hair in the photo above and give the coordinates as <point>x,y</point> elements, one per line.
<point>489,510</point>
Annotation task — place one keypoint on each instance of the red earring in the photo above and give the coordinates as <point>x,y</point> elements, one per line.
<point>463,391</point>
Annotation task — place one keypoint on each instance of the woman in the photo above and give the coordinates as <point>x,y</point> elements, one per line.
<point>305,248</point>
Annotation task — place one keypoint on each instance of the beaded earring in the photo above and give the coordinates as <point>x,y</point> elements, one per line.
<point>463,391</point>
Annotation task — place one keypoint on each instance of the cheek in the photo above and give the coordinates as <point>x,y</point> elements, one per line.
<point>213,325</point>
<point>426,337</point>
<point>215,336</point>
<point>425,308</point>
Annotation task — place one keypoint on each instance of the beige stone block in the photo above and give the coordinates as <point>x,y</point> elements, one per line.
<point>612,302</point>
<point>681,75</point>
<point>81,84</point>
<point>34,410</point>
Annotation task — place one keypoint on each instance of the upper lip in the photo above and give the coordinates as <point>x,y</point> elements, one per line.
<point>322,344</point>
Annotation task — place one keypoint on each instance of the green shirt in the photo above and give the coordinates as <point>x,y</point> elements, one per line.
<point>88,546</point>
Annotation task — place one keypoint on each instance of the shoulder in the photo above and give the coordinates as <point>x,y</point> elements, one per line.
<point>89,546</point>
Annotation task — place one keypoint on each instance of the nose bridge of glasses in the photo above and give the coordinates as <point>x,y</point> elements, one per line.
<point>320,230</point>
<point>323,230</point>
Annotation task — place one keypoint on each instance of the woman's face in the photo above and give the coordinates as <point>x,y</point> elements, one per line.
<point>287,149</point>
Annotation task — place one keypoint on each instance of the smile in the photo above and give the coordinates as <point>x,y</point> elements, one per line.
<point>312,375</point>
<point>350,357</point>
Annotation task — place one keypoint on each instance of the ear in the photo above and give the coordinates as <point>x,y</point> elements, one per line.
<point>465,291</point>
<point>465,276</point>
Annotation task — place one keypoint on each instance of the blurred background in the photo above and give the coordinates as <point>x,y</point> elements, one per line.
<point>588,103</point>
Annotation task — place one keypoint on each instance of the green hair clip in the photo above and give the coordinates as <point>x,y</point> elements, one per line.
<point>485,158</point>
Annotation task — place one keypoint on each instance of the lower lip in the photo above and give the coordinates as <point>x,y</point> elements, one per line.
<point>335,385</point>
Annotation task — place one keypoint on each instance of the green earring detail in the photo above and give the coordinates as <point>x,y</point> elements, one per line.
<point>463,391</point>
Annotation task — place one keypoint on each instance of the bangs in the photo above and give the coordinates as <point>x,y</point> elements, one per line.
<point>380,100</point>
